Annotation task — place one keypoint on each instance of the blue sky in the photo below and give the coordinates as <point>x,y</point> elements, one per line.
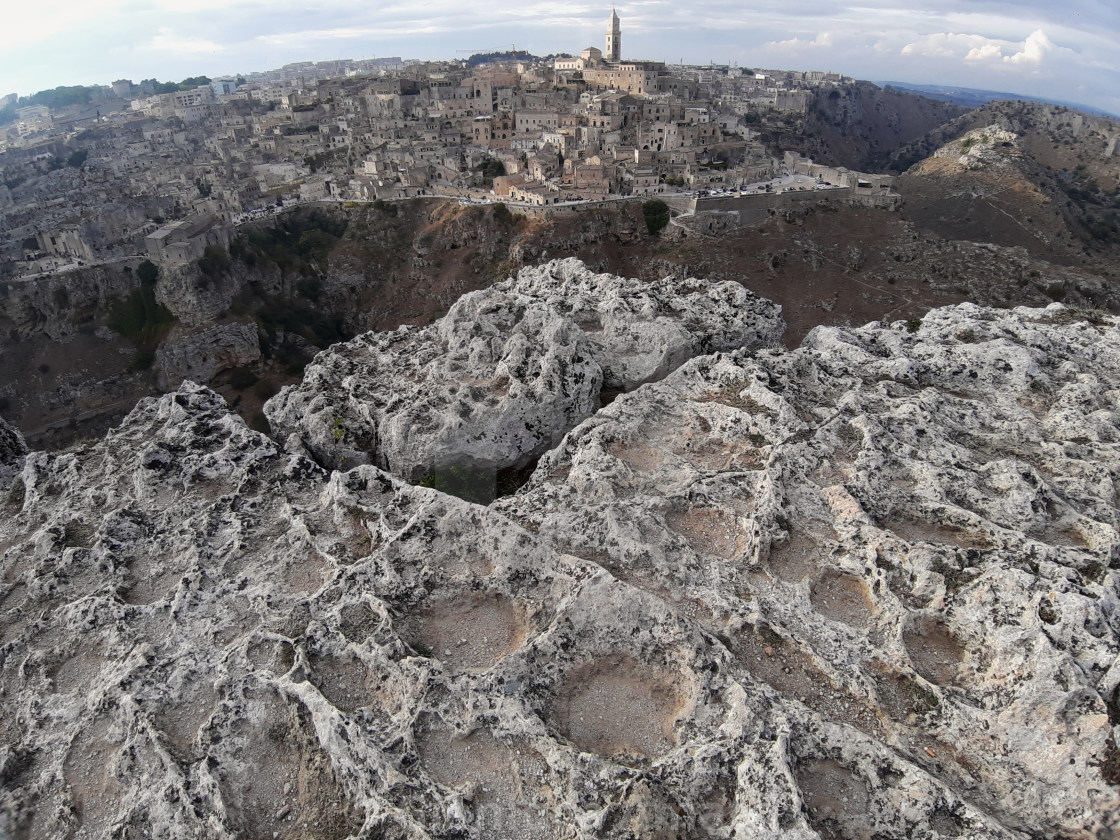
<point>1063,51</point>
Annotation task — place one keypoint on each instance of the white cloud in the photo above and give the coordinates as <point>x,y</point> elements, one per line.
<point>978,48</point>
<point>823,40</point>
<point>29,23</point>
<point>1034,49</point>
<point>951,45</point>
<point>985,52</point>
<point>166,41</point>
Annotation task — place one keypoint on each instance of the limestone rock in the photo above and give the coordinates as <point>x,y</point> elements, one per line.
<point>201,635</point>
<point>195,298</point>
<point>509,369</point>
<point>862,589</point>
<point>199,354</point>
<point>907,540</point>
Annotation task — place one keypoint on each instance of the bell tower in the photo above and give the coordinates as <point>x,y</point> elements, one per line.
<point>614,38</point>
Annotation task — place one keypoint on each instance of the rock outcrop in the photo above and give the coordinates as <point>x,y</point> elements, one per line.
<point>905,537</point>
<point>861,589</point>
<point>199,354</point>
<point>500,379</point>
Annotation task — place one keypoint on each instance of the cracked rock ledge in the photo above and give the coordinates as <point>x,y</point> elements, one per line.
<point>861,589</point>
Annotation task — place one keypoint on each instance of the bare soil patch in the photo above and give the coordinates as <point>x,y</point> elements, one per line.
<point>617,706</point>
<point>149,582</point>
<point>793,559</point>
<point>89,774</point>
<point>842,597</point>
<point>791,672</point>
<point>180,717</point>
<point>346,682</point>
<point>914,531</point>
<point>298,791</point>
<point>933,649</point>
<point>836,800</point>
<point>708,531</point>
<point>467,631</point>
<point>639,456</point>
<point>357,622</point>
<point>505,782</point>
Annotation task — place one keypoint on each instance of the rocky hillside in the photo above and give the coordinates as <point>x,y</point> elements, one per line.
<point>861,125</point>
<point>1016,173</point>
<point>862,588</point>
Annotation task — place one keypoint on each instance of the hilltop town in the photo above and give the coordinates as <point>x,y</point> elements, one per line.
<point>138,172</point>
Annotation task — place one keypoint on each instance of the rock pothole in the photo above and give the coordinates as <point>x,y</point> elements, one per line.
<point>902,698</point>
<point>617,706</point>
<point>641,457</point>
<point>345,681</point>
<point>836,800</point>
<point>842,597</point>
<point>933,649</point>
<point>914,531</point>
<point>149,583</point>
<point>793,559</point>
<point>182,714</point>
<point>506,783</point>
<point>467,632</point>
<point>790,671</point>
<point>276,655</point>
<point>299,795</point>
<point>708,531</point>
<point>305,574</point>
<point>76,674</point>
<point>357,622</point>
<point>89,772</point>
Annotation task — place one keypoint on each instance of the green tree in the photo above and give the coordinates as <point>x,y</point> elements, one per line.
<point>656,213</point>
<point>148,272</point>
<point>214,260</point>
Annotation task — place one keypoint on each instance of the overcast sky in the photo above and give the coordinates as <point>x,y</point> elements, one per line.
<point>1061,50</point>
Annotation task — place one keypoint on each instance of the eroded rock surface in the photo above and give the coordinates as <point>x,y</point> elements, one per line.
<point>863,589</point>
<point>904,536</point>
<point>509,369</point>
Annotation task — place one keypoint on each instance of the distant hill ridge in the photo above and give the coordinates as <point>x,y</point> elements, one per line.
<point>975,98</point>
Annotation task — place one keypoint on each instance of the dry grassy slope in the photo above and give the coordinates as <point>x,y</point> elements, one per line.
<point>1055,190</point>
<point>861,125</point>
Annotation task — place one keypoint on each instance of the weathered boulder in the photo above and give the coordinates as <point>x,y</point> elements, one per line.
<point>195,298</point>
<point>509,369</point>
<point>199,354</point>
<point>908,540</point>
